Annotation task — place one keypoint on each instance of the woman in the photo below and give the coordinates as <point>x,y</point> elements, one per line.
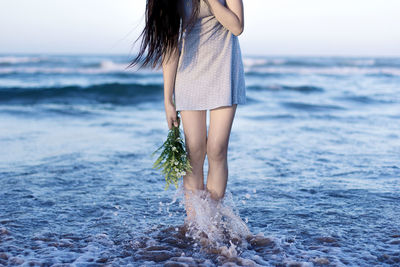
<point>196,43</point>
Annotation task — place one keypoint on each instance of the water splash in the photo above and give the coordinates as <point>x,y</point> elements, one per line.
<point>215,226</point>
<point>214,233</point>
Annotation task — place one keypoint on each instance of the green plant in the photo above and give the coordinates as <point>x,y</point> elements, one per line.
<point>173,159</point>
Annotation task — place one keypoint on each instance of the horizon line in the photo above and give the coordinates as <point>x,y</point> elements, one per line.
<point>243,54</point>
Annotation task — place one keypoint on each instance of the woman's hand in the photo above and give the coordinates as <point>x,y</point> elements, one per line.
<point>171,115</point>
<point>230,16</point>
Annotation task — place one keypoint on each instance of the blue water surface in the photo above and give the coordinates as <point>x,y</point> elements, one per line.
<point>314,164</point>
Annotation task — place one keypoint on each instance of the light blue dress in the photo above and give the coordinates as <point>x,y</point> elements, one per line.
<point>210,68</point>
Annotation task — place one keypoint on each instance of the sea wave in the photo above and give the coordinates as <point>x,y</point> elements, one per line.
<point>8,60</point>
<point>326,62</point>
<point>118,65</point>
<point>115,93</point>
<point>31,60</point>
<point>278,87</point>
<point>108,68</point>
<point>261,71</point>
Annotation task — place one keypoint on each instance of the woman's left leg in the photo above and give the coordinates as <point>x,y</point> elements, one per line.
<point>221,120</point>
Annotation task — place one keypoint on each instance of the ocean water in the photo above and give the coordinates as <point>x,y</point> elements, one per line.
<point>314,166</point>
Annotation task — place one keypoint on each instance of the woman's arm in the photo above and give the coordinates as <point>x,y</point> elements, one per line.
<point>170,66</point>
<point>169,73</point>
<point>231,17</point>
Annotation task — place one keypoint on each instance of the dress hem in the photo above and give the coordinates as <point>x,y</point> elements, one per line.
<point>215,106</point>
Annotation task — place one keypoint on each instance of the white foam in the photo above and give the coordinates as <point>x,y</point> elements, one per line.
<point>109,65</point>
<point>326,71</point>
<point>105,67</point>
<point>361,62</point>
<point>254,62</point>
<point>15,60</point>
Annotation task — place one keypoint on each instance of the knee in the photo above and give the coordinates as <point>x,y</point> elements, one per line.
<point>216,152</point>
<point>196,151</point>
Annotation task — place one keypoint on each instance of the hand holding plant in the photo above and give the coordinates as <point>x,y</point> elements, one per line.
<point>173,159</point>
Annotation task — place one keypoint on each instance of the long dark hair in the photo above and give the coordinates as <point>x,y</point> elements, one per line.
<point>163,30</point>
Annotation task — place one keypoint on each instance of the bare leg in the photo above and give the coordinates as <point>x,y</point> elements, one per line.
<point>195,130</point>
<point>221,120</point>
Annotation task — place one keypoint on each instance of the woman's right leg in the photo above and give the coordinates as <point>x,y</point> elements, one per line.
<point>195,131</point>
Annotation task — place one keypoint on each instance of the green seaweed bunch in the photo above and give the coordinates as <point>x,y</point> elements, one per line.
<point>173,159</point>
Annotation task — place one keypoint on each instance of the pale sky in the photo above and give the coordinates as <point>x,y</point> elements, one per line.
<point>281,27</point>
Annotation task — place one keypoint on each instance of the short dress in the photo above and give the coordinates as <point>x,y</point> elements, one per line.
<point>210,68</point>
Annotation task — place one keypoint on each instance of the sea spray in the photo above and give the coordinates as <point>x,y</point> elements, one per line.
<point>216,231</point>
<point>216,225</point>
